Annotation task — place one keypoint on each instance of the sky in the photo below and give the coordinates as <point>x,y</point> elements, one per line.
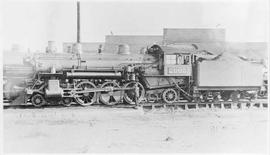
<point>31,24</point>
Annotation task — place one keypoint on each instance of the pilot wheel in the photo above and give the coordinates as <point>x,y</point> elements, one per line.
<point>66,101</point>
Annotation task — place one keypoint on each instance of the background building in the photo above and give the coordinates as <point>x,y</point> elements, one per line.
<point>135,43</point>
<point>87,47</point>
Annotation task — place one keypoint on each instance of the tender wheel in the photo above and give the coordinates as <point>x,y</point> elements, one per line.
<point>226,96</point>
<point>112,97</point>
<point>205,97</point>
<point>38,100</point>
<point>216,97</point>
<point>130,95</point>
<point>66,101</point>
<point>169,96</point>
<point>87,98</point>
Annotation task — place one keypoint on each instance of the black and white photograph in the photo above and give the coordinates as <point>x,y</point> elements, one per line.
<point>134,76</point>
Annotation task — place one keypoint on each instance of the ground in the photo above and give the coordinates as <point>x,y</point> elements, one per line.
<point>118,130</point>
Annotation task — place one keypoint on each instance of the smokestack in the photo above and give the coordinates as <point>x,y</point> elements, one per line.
<point>78,22</point>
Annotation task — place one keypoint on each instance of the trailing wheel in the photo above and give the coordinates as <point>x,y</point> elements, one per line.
<point>85,98</point>
<point>112,96</point>
<point>152,98</point>
<point>130,95</point>
<point>38,100</point>
<point>66,101</point>
<point>216,97</point>
<point>169,96</point>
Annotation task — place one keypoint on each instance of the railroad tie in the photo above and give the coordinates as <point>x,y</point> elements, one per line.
<point>222,105</point>
<point>153,106</point>
<point>212,105</point>
<point>197,105</point>
<point>234,106</point>
<point>252,104</point>
<point>186,106</point>
<point>246,105</point>
<point>261,105</point>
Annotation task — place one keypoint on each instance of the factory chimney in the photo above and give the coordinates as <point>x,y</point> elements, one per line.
<point>78,22</point>
<point>77,46</point>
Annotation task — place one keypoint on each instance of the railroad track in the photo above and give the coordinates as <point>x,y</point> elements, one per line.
<point>259,104</point>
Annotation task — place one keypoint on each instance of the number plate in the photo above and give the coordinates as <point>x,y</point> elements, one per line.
<point>177,70</point>
<point>183,70</point>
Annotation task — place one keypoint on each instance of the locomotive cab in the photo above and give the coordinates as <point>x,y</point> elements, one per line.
<point>178,64</point>
<point>173,61</point>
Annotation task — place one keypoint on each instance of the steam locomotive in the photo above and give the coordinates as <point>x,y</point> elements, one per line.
<point>161,74</point>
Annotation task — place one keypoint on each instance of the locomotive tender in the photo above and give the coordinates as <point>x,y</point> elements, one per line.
<point>164,74</point>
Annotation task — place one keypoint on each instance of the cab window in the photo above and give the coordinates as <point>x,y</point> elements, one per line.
<point>171,59</point>
<point>183,59</point>
<point>180,60</point>
<point>186,60</point>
